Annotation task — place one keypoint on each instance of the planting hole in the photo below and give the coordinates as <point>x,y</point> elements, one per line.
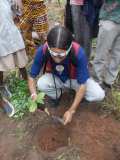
<point>52,137</point>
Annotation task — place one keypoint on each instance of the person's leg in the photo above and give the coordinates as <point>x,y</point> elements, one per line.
<point>68,16</point>
<point>20,60</point>
<point>23,73</point>
<point>7,106</point>
<point>50,86</point>
<point>106,37</point>
<point>76,22</point>
<point>4,91</point>
<point>4,103</point>
<point>81,28</point>
<point>71,84</point>
<point>93,91</point>
<point>87,37</point>
<point>1,78</point>
<point>113,67</point>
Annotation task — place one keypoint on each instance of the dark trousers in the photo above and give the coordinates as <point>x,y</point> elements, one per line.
<point>81,29</point>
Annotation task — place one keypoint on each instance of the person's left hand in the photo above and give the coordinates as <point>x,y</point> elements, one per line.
<point>67,117</point>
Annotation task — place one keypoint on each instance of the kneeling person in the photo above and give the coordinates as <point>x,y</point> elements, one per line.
<point>65,66</point>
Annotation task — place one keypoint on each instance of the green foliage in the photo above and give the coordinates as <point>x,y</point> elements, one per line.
<point>116,98</point>
<point>0,96</point>
<point>40,98</point>
<point>21,99</point>
<point>33,104</point>
<point>112,101</point>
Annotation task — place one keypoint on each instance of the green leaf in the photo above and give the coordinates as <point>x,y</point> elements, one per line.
<point>20,96</point>
<point>33,106</point>
<point>40,98</point>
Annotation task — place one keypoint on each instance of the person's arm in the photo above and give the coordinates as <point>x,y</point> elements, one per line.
<point>76,102</point>
<point>35,70</point>
<point>82,76</point>
<point>32,88</point>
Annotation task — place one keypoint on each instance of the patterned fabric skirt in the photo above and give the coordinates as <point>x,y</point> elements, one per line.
<point>34,19</point>
<point>17,59</point>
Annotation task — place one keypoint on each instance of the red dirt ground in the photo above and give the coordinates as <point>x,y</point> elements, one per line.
<point>90,136</point>
<point>52,138</point>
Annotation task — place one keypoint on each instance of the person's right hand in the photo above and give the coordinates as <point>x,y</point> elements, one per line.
<point>67,117</point>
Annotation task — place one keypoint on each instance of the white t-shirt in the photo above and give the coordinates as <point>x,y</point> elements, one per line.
<point>10,37</point>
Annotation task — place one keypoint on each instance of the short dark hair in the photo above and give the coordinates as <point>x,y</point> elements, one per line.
<point>59,37</point>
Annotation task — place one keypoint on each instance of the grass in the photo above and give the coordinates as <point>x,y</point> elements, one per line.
<point>112,100</point>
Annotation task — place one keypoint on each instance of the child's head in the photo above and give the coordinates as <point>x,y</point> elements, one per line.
<point>59,41</point>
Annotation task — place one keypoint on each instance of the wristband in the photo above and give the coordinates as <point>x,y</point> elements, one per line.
<point>33,94</point>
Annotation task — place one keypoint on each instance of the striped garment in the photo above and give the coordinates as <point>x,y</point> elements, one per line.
<point>77,2</point>
<point>29,1</point>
